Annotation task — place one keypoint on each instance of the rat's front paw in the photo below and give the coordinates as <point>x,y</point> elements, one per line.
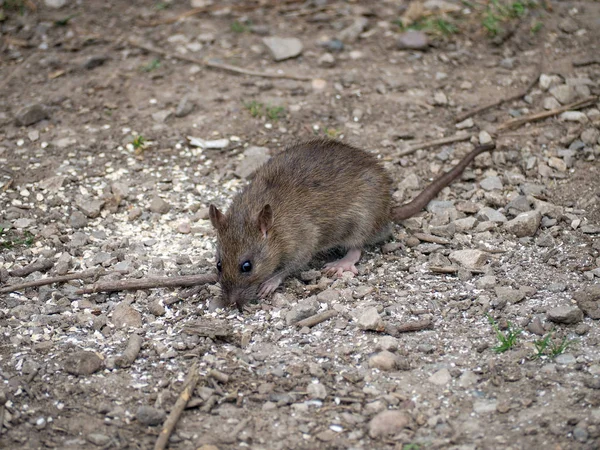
<point>269,286</point>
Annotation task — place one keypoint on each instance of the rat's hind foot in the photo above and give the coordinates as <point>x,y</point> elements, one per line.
<point>269,286</point>
<point>346,264</point>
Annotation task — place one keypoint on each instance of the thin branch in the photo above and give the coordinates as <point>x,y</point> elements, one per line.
<point>317,318</point>
<point>148,283</point>
<point>134,345</point>
<point>171,421</point>
<point>522,93</point>
<point>214,65</point>
<point>51,280</point>
<point>434,143</point>
<point>542,115</point>
<point>39,265</point>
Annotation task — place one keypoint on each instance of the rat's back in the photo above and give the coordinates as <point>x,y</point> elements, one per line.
<point>340,190</point>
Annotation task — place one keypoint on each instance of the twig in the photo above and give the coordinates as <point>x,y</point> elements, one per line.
<point>317,318</point>
<point>434,143</point>
<point>148,283</point>
<point>214,65</point>
<point>522,93</point>
<point>542,115</point>
<point>171,421</point>
<point>134,345</point>
<point>51,280</point>
<point>586,62</point>
<point>170,20</point>
<point>444,269</point>
<point>407,327</point>
<point>40,265</point>
<point>219,376</point>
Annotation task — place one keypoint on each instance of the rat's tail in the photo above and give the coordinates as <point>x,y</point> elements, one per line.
<point>407,210</point>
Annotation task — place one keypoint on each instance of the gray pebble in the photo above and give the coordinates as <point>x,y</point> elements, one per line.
<point>95,61</point>
<point>370,320</point>
<point>30,114</point>
<point>383,361</point>
<point>90,207</point>
<point>302,310</point>
<point>525,224</point>
<point>254,157</point>
<point>78,220</point>
<point>159,206</point>
<point>283,48</point>
<point>412,40</point>
<point>565,314</point>
<point>564,93</point>
<point>184,107</point>
<point>491,183</point>
<point>83,363</point>
<point>98,439</point>
<point>490,214</point>
<point>149,416</point>
<point>124,316</point>
<point>388,423</point>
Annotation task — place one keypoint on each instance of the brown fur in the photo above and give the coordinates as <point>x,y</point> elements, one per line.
<point>312,197</point>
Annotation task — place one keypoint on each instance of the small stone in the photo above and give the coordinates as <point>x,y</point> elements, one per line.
<point>486,282</point>
<point>388,343</point>
<point>328,296</point>
<point>159,206</point>
<point>467,123</point>
<point>568,25</point>
<point>95,61</point>
<point>484,137</point>
<point>391,247</point>
<point>471,259</point>
<point>588,301</point>
<point>491,215</point>
<point>565,314</point>
<point>550,103</point>
<point>316,390</point>
<point>468,379</point>
<point>557,163</point>
<point>491,183</point>
<point>254,157</point>
<point>510,295</point>
<point>564,93</point>
<point>362,291</point>
<point>90,207</point>
<point>302,310</point>
<point>161,116</point>
<point>310,275</point>
<point>184,107</point>
<point>441,377</point>
<point>98,439</point>
<point>580,433</point>
<point>388,423</point>
<point>573,116</point>
<point>590,136</point>
<point>547,81</point>
<point>83,363</point>
<point>124,316</point>
<point>352,32</point>
<point>78,220</point>
<point>283,48</point>
<point>30,114</point>
<point>412,40</point>
<point>525,224</point>
<point>484,406</point>
<point>134,213</point>
<point>327,60</point>
<point>156,308</point>
<point>370,320</point>
<point>149,416</point>
<point>384,361</point>
<point>440,99</point>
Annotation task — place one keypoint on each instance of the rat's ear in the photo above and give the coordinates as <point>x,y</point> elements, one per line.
<point>216,217</point>
<point>265,220</point>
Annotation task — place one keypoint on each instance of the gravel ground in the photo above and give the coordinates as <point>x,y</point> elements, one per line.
<point>474,327</point>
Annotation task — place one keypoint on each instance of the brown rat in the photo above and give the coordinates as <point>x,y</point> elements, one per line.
<point>312,197</point>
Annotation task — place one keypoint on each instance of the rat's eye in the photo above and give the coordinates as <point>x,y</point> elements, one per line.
<point>219,266</point>
<point>246,267</point>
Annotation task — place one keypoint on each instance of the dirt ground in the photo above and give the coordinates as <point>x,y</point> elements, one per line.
<point>98,172</point>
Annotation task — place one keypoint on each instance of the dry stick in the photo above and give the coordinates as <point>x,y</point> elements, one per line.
<point>40,265</point>
<point>317,318</point>
<point>134,345</point>
<point>415,326</point>
<point>214,65</point>
<point>169,425</point>
<point>51,280</point>
<point>518,95</point>
<point>542,115</point>
<point>423,145</point>
<point>219,376</point>
<point>586,62</point>
<point>148,283</point>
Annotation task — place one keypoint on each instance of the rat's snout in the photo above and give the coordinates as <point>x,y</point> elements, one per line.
<point>237,295</point>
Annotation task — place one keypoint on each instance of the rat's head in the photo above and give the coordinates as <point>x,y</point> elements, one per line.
<point>243,258</point>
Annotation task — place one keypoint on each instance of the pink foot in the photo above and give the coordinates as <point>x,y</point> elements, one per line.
<point>346,264</point>
<point>269,286</point>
